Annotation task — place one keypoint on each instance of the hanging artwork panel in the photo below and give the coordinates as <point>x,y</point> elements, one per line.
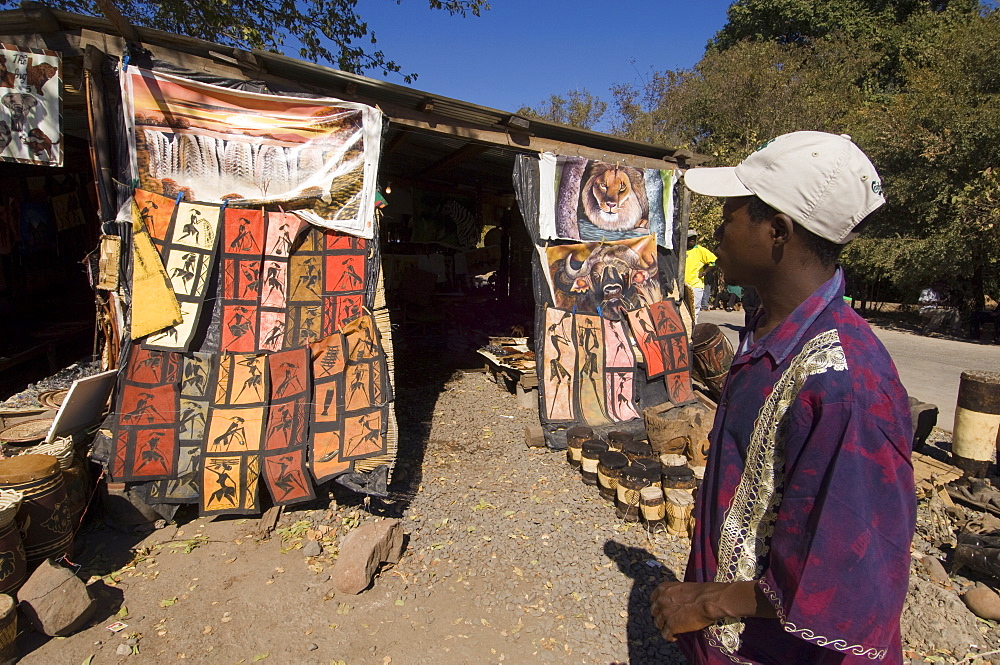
<point>188,252</point>
<point>661,337</point>
<point>588,200</point>
<point>619,372</point>
<point>30,106</point>
<point>676,356</point>
<point>328,276</point>
<point>351,396</point>
<point>197,380</point>
<point>607,278</point>
<point>286,428</point>
<point>230,472</point>
<point>317,157</point>
<point>255,274</point>
<point>558,367</point>
<point>146,437</point>
<point>587,369</point>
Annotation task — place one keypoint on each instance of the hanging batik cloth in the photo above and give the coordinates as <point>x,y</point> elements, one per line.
<point>619,372</point>
<point>580,199</point>
<point>318,157</point>
<point>197,381</point>
<point>661,337</point>
<point>188,250</point>
<point>231,462</point>
<point>286,428</point>
<point>588,369</point>
<point>147,426</point>
<point>328,274</point>
<point>350,399</point>
<point>256,250</point>
<point>604,278</point>
<point>154,305</point>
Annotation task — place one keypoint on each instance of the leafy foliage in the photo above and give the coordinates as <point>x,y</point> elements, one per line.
<point>578,108</point>
<point>328,31</point>
<point>915,82</point>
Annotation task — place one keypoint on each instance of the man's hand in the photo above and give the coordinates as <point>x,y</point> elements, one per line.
<point>682,607</point>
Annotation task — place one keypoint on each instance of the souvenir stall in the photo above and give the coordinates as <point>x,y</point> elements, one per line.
<point>47,218</point>
<point>269,227</point>
<point>612,343</point>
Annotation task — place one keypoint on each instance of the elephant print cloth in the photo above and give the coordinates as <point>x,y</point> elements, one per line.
<point>230,472</point>
<point>188,252</point>
<point>318,157</point>
<point>147,424</point>
<point>351,396</point>
<point>286,428</point>
<point>30,107</point>
<point>592,201</point>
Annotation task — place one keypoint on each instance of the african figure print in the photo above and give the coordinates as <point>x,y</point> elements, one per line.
<point>195,395</point>
<point>188,249</point>
<point>559,365</point>
<point>619,372</point>
<point>590,368</point>
<point>229,478</point>
<point>286,428</point>
<point>147,417</point>
<point>660,333</point>
<point>351,394</point>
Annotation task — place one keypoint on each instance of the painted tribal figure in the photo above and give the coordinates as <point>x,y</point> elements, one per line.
<point>801,551</point>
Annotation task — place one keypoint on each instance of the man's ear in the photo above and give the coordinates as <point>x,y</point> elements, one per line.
<point>782,228</point>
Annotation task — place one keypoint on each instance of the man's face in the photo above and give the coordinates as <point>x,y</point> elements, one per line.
<point>744,247</point>
<point>692,241</point>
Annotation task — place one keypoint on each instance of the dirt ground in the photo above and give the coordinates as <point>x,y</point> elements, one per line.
<point>508,558</point>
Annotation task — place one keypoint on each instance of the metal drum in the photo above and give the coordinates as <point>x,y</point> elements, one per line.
<point>44,518</point>
<point>13,567</point>
<point>977,422</point>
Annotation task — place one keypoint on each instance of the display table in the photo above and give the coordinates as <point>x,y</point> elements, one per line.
<point>510,364</point>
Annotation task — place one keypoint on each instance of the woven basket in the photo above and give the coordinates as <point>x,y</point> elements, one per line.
<point>62,449</point>
<point>10,502</point>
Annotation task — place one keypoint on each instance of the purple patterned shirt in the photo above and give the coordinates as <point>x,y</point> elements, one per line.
<point>809,490</point>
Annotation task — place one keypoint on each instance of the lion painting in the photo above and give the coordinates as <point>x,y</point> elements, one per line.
<point>614,197</point>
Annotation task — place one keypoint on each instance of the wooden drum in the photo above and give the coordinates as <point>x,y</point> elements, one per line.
<point>575,436</point>
<point>13,568</point>
<point>44,518</point>
<point>589,458</point>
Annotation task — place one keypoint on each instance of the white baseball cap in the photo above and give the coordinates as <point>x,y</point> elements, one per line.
<point>822,181</point>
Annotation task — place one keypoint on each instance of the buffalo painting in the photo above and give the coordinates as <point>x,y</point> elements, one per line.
<point>605,278</point>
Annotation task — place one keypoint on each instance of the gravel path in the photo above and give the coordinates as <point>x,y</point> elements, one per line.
<point>525,534</point>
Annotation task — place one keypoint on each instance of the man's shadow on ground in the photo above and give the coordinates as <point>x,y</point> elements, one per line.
<point>645,644</point>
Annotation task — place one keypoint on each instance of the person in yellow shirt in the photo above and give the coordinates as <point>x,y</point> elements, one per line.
<point>696,262</point>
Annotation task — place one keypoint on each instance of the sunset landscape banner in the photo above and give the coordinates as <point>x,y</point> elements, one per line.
<point>315,157</point>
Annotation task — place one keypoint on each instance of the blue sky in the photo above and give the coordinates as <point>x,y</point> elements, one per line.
<point>522,51</point>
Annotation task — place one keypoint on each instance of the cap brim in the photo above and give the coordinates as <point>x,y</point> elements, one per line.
<point>716,181</point>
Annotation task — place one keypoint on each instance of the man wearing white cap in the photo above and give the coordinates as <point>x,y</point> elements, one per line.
<point>801,549</point>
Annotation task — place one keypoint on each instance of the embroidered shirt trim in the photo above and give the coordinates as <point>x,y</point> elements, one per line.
<point>749,522</point>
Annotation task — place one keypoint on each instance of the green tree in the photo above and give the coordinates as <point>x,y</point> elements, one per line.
<point>328,31</point>
<point>578,108</point>
<point>936,144</point>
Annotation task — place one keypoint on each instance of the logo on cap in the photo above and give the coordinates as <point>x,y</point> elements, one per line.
<point>877,187</point>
